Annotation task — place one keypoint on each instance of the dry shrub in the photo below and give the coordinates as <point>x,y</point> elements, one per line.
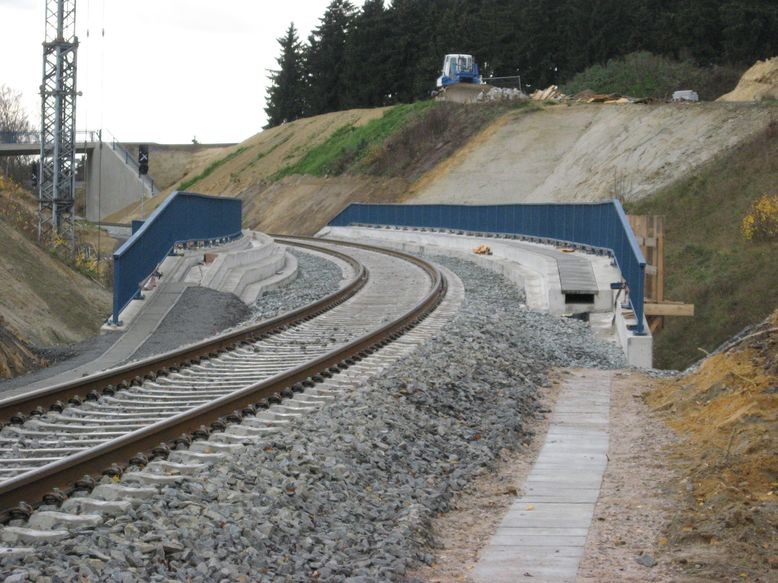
<point>761,221</point>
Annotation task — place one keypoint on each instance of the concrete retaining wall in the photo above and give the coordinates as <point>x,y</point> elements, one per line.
<point>111,185</point>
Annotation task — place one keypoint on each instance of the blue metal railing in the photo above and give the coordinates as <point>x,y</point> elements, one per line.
<point>183,216</point>
<point>603,225</point>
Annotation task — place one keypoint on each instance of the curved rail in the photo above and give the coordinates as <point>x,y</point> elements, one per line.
<point>16,410</point>
<point>193,424</point>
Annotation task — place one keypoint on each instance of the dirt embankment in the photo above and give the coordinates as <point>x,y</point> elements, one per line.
<point>583,152</point>
<point>725,412</point>
<point>16,357</point>
<point>589,152</point>
<point>170,163</point>
<point>301,205</point>
<point>43,302</point>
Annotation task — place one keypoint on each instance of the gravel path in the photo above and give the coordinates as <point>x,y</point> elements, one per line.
<point>199,313</point>
<point>348,492</point>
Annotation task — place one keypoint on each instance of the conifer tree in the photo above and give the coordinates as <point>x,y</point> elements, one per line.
<point>368,58</point>
<point>286,95</point>
<point>325,58</point>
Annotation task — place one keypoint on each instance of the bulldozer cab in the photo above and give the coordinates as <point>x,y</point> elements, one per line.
<point>454,64</point>
<point>458,68</point>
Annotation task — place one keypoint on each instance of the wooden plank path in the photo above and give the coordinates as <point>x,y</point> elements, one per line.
<point>544,532</point>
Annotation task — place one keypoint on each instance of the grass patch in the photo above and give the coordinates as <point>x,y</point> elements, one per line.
<point>210,168</point>
<point>405,142</point>
<point>732,282</point>
<point>348,144</point>
<point>646,75</point>
<point>428,139</point>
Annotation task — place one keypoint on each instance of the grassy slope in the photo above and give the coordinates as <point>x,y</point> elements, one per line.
<point>350,144</point>
<point>732,282</point>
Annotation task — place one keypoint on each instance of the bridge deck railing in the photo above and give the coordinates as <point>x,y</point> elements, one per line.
<point>182,217</point>
<point>602,225</point>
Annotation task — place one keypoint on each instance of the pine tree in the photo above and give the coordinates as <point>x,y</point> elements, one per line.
<point>286,95</point>
<point>368,57</point>
<point>325,58</point>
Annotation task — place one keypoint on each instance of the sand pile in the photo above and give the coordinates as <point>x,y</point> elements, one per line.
<point>760,82</point>
<point>725,412</point>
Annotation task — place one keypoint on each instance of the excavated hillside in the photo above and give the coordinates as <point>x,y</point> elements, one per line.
<point>467,154</point>
<point>43,302</point>
<point>725,413</point>
<point>589,152</point>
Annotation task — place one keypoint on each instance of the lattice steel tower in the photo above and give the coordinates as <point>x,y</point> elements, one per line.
<point>57,175</point>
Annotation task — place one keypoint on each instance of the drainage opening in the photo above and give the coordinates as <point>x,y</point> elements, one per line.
<point>579,298</point>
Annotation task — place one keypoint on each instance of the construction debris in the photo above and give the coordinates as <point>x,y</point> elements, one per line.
<point>686,95</point>
<point>482,250</point>
<point>550,93</point>
<point>502,94</point>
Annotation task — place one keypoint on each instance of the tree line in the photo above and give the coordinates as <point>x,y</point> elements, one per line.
<point>385,53</point>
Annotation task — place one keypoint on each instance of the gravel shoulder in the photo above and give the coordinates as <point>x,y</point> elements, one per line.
<point>461,533</point>
<point>198,314</point>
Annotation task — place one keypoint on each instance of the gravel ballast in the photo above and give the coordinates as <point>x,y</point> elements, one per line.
<point>347,493</point>
<point>316,278</point>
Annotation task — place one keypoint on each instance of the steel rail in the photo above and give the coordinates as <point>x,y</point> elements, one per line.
<point>188,426</point>
<point>20,407</point>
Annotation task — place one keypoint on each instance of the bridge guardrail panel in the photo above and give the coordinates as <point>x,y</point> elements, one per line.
<point>183,216</point>
<point>603,225</point>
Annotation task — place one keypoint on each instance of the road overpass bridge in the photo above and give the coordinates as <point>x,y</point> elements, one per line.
<point>112,179</point>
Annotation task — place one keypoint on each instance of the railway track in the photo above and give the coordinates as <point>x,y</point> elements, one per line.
<point>56,440</point>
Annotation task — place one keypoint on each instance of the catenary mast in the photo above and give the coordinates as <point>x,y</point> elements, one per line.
<point>57,172</point>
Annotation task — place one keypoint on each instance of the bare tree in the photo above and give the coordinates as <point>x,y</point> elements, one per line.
<point>13,119</point>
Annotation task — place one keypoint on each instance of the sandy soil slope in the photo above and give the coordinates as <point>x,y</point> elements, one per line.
<point>590,152</point>
<point>41,300</point>
<point>302,205</point>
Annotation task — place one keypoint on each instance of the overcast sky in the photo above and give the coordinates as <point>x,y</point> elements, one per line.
<point>166,70</point>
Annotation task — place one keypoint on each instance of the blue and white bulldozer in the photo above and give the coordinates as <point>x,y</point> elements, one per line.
<point>459,69</point>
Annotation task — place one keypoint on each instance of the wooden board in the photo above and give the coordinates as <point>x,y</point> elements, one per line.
<point>668,309</point>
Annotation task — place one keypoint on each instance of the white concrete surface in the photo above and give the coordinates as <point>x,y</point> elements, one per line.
<point>247,272</point>
<point>529,265</point>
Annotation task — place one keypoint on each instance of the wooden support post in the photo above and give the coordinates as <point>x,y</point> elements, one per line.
<point>650,233</point>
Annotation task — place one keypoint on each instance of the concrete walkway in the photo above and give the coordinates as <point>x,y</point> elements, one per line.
<point>544,533</point>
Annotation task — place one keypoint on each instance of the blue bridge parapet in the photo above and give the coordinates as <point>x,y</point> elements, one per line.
<point>184,216</point>
<point>602,225</point>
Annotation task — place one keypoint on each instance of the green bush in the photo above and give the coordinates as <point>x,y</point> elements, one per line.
<point>646,75</point>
